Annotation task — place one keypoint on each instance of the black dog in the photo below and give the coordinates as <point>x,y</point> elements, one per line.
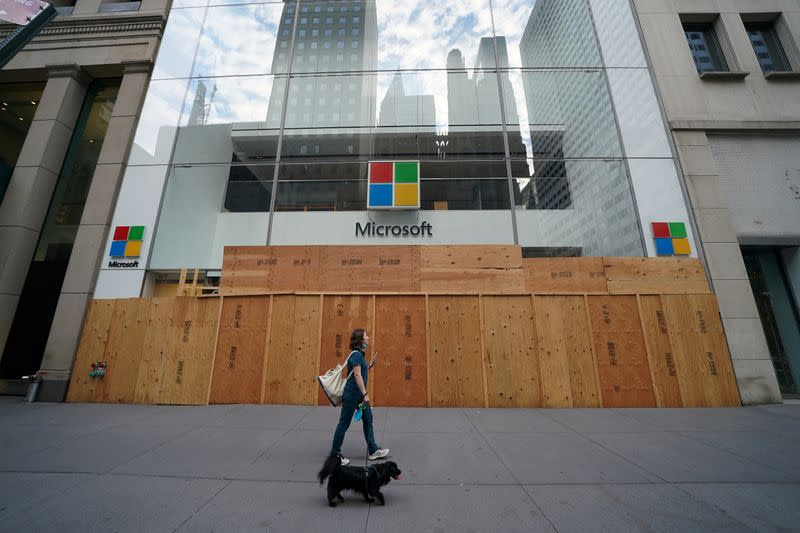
<point>367,480</point>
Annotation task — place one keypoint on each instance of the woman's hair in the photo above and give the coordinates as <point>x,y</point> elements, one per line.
<point>356,339</point>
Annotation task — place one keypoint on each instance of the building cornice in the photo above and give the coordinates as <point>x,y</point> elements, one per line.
<point>101,23</point>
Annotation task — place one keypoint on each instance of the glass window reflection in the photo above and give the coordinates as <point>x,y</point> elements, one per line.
<point>240,40</point>
<point>158,122</point>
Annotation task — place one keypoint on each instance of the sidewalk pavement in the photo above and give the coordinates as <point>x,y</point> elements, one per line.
<point>93,467</point>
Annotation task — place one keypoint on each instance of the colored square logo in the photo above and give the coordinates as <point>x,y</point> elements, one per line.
<point>677,230</point>
<point>380,195</point>
<point>681,246</point>
<point>664,247</point>
<point>660,230</point>
<point>381,172</point>
<point>136,233</point>
<point>133,249</point>
<point>406,172</point>
<point>393,185</point>
<point>121,233</point>
<point>406,194</point>
<point>117,248</point>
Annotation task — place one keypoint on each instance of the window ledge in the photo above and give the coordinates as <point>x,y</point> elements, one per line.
<point>724,75</point>
<point>783,75</point>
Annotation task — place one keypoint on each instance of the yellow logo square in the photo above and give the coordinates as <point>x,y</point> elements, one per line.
<point>681,246</point>
<point>406,194</point>
<point>133,249</point>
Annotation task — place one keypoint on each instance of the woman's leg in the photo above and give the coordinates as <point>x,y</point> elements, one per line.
<point>369,435</point>
<point>348,409</point>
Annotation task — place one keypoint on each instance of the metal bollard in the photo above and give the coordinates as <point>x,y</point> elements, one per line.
<point>33,387</point>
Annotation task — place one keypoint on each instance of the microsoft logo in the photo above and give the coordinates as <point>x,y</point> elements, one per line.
<point>127,241</point>
<point>671,238</point>
<point>393,185</point>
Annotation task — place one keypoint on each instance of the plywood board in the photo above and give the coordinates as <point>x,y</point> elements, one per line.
<point>124,350</point>
<point>456,371</point>
<point>622,364</point>
<point>400,375</point>
<point>510,355</point>
<point>551,332</point>
<point>457,257</point>
<point>188,365</point>
<point>565,275</point>
<point>240,351</point>
<point>270,268</point>
<point>649,275</point>
<point>92,348</point>
<point>293,359</point>
<point>340,316</point>
<point>472,280</point>
<point>159,339</point>
<point>369,268</point>
<point>659,352</point>
<point>703,363</point>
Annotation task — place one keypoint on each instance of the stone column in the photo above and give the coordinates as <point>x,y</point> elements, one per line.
<point>752,363</point>
<point>27,199</point>
<point>88,251</point>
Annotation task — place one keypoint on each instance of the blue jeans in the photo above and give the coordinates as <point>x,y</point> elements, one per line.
<point>349,407</point>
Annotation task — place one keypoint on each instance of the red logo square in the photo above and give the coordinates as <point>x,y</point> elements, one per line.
<point>660,230</point>
<point>121,233</point>
<point>380,172</point>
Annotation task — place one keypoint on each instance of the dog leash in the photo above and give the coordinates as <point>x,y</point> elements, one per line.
<point>367,468</point>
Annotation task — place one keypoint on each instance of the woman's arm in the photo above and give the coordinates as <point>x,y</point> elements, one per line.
<point>360,382</point>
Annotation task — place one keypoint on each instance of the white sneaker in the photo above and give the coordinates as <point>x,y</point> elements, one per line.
<point>379,454</point>
<point>345,460</point>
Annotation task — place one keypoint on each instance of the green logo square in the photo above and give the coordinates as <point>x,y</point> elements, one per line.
<point>136,233</point>
<point>406,172</point>
<point>677,230</point>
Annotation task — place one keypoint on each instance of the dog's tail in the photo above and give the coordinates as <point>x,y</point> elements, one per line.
<point>331,464</point>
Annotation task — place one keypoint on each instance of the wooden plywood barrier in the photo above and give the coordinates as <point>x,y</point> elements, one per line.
<point>455,361</point>
<point>509,352</point>
<point>568,372</point>
<point>655,275</point>
<point>622,364</point>
<point>565,275</point>
<point>454,327</point>
<point>241,349</point>
<point>293,350</point>
<point>400,375</point>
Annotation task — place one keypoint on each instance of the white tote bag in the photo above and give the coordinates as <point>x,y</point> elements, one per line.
<point>333,381</point>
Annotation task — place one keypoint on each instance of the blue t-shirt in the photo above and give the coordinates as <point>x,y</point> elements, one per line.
<point>356,359</point>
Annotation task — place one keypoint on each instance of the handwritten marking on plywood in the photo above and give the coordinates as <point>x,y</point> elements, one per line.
<point>565,275</point>
<point>510,354</point>
<point>188,365</point>
<point>622,363</point>
<point>92,348</point>
<point>455,352</point>
<point>400,375</point>
<point>660,352</point>
<point>293,363</point>
<point>239,360</point>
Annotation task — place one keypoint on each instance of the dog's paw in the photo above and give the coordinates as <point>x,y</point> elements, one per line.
<point>340,498</point>
<point>331,504</point>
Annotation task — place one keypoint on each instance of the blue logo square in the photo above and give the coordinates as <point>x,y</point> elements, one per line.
<point>664,247</point>
<point>117,249</point>
<point>380,195</point>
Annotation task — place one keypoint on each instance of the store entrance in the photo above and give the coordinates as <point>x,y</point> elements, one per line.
<point>778,311</point>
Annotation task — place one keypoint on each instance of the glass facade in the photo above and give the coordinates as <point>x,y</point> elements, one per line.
<point>18,103</point>
<point>505,103</point>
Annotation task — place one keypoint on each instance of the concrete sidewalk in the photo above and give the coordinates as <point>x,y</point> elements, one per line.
<point>91,467</point>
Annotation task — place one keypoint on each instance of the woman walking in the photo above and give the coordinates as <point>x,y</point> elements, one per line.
<point>355,392</point>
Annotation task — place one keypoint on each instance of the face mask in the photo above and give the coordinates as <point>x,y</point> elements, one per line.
<point>364,344</point>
